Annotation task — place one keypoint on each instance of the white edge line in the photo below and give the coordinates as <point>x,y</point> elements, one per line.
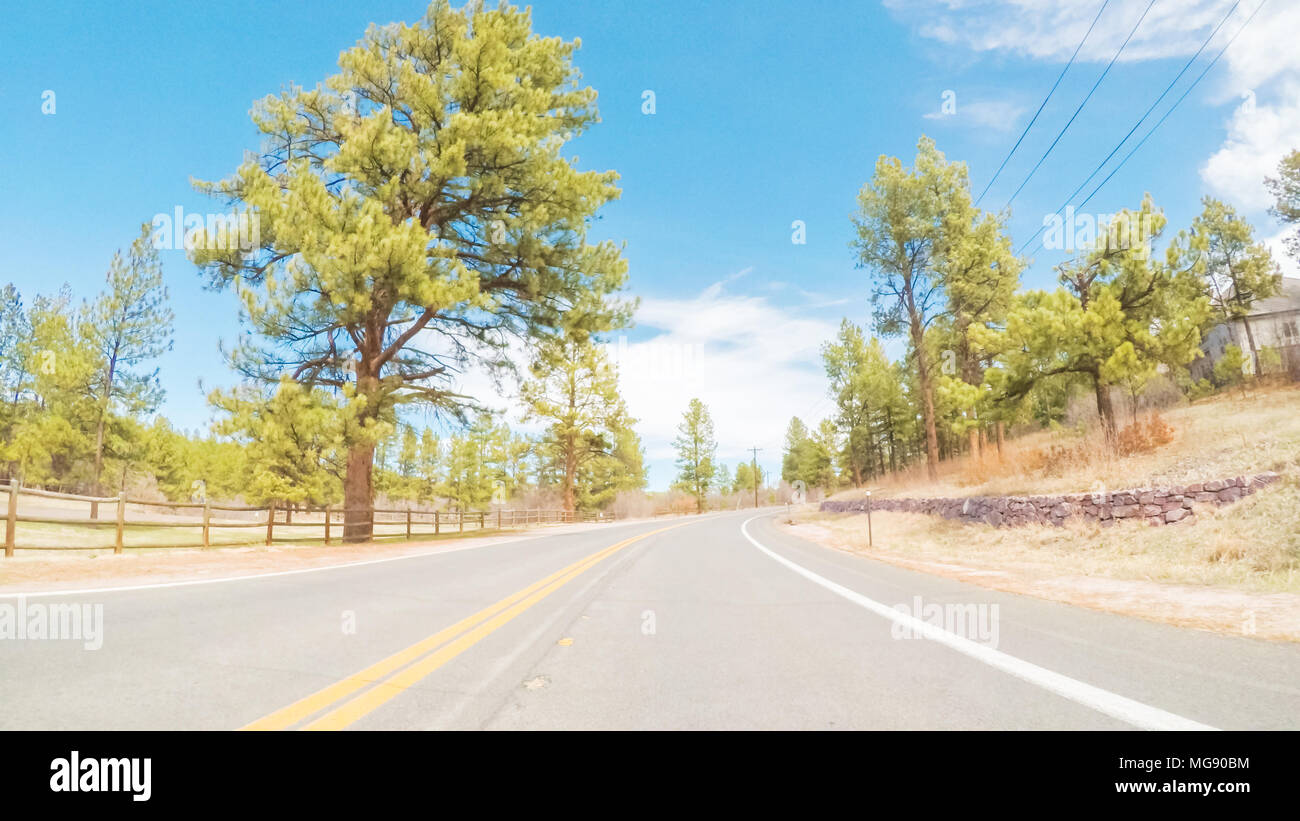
<point>1116,706</point>
<point>253,576</point>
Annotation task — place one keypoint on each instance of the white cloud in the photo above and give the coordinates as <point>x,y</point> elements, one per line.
<point>1258,137</point>
<point>1262,66</point>
<point>753,363</point>
<point>1290,265</point>
<point>1051,29</point>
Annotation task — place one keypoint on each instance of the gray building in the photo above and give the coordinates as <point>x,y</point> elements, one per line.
<point>1274,322</point>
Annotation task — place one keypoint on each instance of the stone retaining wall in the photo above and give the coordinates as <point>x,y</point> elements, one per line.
<point>1157,506</point>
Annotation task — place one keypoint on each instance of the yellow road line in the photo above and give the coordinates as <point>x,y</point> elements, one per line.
<point>505,610</point>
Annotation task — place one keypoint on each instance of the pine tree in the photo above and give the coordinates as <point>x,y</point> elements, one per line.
<point>574,389</point>
<point>1238,271</point>
<point>1285,188</point>
<point>696,449</point>
<point>929,253</point>
<point>127,325</point>
<point>414,213</point>
<point>1118,315</point>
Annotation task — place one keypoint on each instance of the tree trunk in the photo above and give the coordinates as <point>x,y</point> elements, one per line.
<point>1105,410</point>
<point>357,493</point>
<point>893,447</point>
<point>358,481</point>
<point>99,428</point>
<point>927,408</point>
<point>99,453</point>
<point>570,477</point>
<point>1250,338</point>
<point>1001,437</point>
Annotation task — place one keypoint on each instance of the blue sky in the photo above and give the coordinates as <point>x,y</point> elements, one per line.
<point>765,113</point>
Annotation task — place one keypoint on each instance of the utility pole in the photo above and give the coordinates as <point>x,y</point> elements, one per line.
<point>755,451</point>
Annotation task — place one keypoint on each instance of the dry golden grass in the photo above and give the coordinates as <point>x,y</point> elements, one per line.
<point>1227,435</point>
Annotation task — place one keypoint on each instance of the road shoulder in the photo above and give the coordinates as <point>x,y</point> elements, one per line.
<point>1271,616</point>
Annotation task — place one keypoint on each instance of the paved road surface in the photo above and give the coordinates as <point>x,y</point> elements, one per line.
<point>724,621</point>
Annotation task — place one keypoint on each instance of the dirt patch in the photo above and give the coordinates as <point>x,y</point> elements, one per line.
<point>1274,616</point>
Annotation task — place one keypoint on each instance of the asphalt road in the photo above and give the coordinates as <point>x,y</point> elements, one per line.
<point>722,621</point>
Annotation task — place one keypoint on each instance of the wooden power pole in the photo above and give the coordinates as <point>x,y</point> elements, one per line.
<point>755,464</point>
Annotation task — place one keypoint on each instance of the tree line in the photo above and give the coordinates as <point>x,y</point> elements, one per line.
<point>982,354</point>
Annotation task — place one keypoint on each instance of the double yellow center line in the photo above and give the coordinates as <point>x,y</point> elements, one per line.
<point>398,672</point>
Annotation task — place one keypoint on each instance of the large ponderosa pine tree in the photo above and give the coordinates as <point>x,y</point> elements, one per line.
<point>415,212</point>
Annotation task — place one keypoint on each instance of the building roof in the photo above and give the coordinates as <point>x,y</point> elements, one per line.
<point>1286,299</point>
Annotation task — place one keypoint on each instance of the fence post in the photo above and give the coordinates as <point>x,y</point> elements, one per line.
<point>94,506</point>
<point>270,523</point>
<point>207,522</point>
<point>408,524</point>
<point>437,524</point>
<point>482,515</point>
<point>460,519</point>
<point>121,521</point>
<point>327,525</point>
<point>870,541</point>
<point>11,518</point>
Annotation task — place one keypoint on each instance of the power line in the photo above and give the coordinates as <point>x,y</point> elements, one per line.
<point>1182,97</point>
<point>1141,120</point>
<point>1088,97</point>
<point>1043,104</point>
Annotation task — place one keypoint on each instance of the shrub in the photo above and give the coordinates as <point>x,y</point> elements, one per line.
<point>1144,437</point>
<point>1055,460</point>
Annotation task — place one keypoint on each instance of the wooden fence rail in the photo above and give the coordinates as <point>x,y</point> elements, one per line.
<point>405,518</point>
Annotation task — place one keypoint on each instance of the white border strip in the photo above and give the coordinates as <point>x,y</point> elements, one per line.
<point>1127,710</point>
